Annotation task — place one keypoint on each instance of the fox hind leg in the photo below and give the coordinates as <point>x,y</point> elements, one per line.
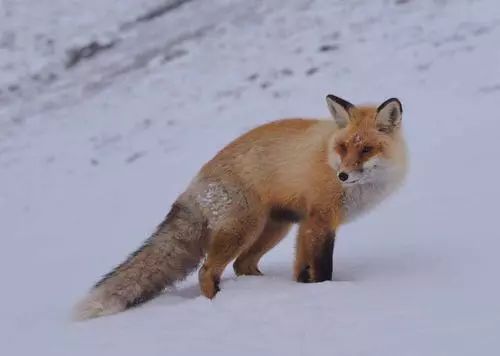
<point>225,245</point>
<point>247,262</point>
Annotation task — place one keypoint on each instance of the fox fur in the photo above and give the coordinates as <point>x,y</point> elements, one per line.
<point>318,173</point>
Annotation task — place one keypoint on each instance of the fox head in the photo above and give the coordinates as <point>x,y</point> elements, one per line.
<point>367,146</point>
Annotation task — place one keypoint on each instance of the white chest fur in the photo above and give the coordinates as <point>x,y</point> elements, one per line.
<point>361,198</point>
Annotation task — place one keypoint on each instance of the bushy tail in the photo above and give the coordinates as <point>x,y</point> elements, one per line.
<point>169,255</point>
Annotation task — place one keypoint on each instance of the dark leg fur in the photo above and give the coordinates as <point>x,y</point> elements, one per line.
<point>323,262</point>
<point>304,275</point>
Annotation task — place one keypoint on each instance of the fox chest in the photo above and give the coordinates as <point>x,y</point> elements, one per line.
<point>360,199</point>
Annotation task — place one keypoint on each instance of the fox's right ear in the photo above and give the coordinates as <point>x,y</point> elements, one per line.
<point>339,108</point>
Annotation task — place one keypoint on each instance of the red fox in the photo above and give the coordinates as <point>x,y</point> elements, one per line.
<point>318,173</point>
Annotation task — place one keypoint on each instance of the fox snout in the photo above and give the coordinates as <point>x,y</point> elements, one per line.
<point>350,168</point>
<point>350,176</point>
<point>365,172</point>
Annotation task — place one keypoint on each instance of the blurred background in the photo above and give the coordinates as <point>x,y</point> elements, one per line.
<point>109,108</point>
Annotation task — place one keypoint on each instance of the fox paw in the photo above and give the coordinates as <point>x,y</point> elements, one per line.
<point>304,275</point>
<point>209,284</point>
<point>242,269</point>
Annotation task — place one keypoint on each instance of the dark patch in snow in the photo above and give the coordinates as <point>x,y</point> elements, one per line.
<point>265,85</point>
<point>135,156</point>
<point>312,71</point>
<point>104,140</point>
<point>286,72</point>
<point>156,12</point>
<point>145,124</point>
<point>490,88</point>
<point>8,40</point>
<point>253,77</point>
<point>45,78</point>
<point>13,88</point>
<point>76,55</point>
<point>423,66</point>
<point>333,36</point>
<point>143,59</point>
<point>176,53</point>
<point>328,48</point>
<point>44,45</point>
<point>230,93</point>
<point>450,39</point>
<point>17,120</point>
<point>481,31</point>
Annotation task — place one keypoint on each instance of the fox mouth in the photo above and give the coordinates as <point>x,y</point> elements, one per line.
<point>351,182</point>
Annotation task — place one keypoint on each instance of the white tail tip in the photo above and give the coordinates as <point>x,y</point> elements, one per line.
<point>96,304</point>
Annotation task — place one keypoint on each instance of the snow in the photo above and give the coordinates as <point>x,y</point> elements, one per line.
<point>91,161</point>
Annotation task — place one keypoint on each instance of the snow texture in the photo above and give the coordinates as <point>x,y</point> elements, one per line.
<point>108,109</point>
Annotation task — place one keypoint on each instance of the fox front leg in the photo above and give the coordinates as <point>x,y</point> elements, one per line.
<point>314,255</point>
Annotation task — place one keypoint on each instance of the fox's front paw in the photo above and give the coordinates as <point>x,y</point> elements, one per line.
<point>308,275</point>
<point>209,283</point>
<point>304,275</point>
<point>210,289</point>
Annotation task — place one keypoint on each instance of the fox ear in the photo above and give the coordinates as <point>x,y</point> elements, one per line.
<point>339,108</point>
<point>389,115</point>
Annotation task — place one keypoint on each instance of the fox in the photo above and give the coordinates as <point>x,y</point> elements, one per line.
<point>318,173</point>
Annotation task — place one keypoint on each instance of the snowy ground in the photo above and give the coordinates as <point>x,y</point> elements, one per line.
<point>93,154</point>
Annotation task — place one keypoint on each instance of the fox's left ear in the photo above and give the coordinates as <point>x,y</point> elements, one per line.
<point>389,115</point>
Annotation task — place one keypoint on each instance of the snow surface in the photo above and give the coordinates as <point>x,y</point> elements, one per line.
<point>91,159</point>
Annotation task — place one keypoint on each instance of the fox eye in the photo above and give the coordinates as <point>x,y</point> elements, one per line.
<point>367,149</point>
<point>342,148</point>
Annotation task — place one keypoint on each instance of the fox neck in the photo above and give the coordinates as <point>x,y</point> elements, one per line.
<point>359,199</point>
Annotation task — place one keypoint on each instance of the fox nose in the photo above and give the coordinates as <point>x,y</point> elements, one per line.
<point>343,176</point>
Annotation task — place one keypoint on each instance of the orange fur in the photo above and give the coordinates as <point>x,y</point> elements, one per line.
<point>285,165</point>
<point>361,133</point>
<point>281,165</point>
